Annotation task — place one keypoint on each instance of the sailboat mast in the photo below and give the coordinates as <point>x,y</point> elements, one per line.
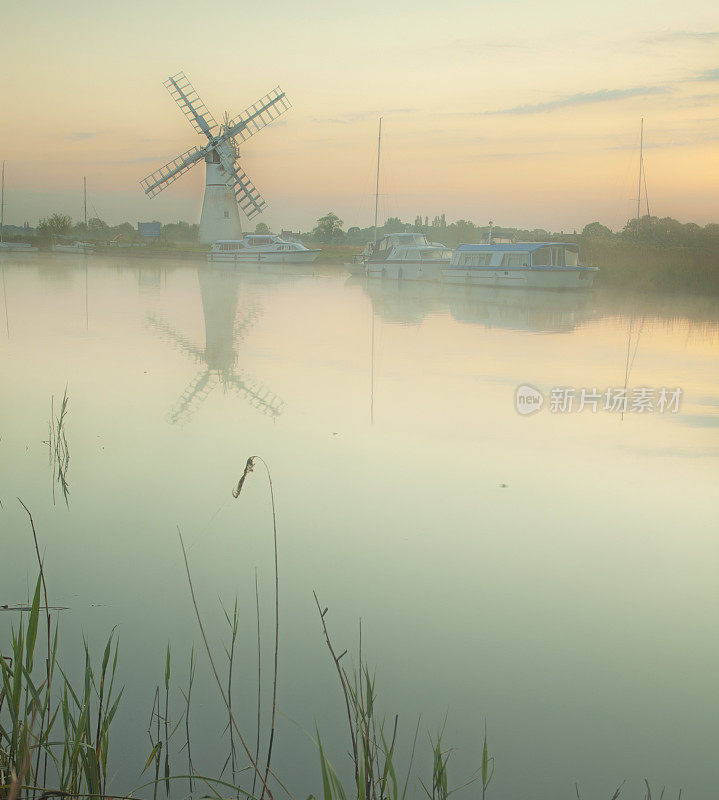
<point>641,170</point>
<point>84,195</point>
<point>2,202</point>
<point>376,193</point>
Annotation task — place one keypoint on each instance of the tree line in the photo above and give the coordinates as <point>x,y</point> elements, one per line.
<point>330,230</point>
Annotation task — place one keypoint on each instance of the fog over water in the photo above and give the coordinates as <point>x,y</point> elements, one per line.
<point>553,574</point>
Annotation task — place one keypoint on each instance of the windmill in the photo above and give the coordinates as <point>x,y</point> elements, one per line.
<point>226,183</point>
<point>224,329</point>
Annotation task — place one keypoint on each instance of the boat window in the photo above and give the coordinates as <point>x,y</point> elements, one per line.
<point>557,256</point>
<point>429,254</point>
<point>571,257</point>
<point>515,260</point>
<point>467,259</point>
<point>384,245</point>
<point>540,257</point>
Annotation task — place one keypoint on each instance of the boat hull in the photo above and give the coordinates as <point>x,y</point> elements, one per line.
<point>405,270</point>
<point>533,278</point>
<point>16,247</point>
<point>87,250</point>
<point>291,257</point>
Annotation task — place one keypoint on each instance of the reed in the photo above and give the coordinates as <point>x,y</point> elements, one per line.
<point>58,448</point>
<point>55,734</point>
<point>71,726</point>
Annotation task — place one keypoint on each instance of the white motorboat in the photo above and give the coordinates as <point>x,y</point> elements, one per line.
<point>17,247</point>
<point>538,265</point>
<point>403,255</point>
<point>261,248</point>
<point>86,248</point>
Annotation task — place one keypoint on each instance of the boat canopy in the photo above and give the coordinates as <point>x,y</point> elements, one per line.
<point>518,247</point>
<point>517,256</point>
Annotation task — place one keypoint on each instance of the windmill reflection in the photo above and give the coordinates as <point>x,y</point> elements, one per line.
<point>225,327</point>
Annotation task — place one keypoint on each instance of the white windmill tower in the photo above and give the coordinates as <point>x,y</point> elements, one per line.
<point>226,184</point>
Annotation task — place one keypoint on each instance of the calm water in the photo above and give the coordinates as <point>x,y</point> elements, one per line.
<point>553,574</point>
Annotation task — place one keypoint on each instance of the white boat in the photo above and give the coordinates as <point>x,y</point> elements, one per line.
<point>17,247</point>
<point>261,248</point>
<point>86,248</point>
<point>406,255</point>
<point>534,265</point>
<point>399,255</point>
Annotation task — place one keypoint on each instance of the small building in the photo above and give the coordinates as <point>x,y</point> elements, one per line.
<point>149,230</point>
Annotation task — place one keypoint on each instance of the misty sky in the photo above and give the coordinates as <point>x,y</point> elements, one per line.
<point>525,113</point>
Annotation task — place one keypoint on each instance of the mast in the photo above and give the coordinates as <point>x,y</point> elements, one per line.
<point>376,193</point>
<point>2,202</point>
<point>84,194</point>
<point>641,170</point>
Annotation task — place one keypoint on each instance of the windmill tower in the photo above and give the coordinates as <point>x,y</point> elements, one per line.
<point>227,186</point>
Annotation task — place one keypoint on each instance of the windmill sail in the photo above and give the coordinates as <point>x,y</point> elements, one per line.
<point>227,187</point>
<point>248,198</point>
<point>157,181</point>
<point>186,97</point>
<point>257,116</point>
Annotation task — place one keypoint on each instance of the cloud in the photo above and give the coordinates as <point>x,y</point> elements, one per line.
<point>706,75</point>
<point>696,141</point>
<point>682,36</point>
<point>138,160</point>
<point>80,136</point>
<point>520,154</point>
<point>573,100</point>
<point>352,117</point>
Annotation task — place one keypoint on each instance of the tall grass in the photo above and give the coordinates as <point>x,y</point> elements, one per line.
<point>373,740</point>
<point>55,734</point>
<point>67,731</point>
<point>58,448</point>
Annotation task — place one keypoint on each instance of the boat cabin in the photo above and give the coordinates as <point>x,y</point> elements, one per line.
<point>522,255</point>
<point>407,247</point>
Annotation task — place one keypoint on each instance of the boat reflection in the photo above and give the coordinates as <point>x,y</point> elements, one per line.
<point>540,311</point>
<point>226,325</point>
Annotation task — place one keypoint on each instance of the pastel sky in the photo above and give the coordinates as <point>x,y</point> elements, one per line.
<point>521,112</point>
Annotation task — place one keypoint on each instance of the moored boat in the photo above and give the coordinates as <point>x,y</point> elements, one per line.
<point>406,255</point>
<point>17,247</point>
<point>538,265</point>
<point>86,248</point>
<point>261,248</point>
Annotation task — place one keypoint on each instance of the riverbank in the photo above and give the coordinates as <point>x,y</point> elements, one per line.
<point>630,265</point>
<point>623,264</point>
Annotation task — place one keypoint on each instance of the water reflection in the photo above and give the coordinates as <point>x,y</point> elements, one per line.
<point>409,303</point>
<point>226,326</point>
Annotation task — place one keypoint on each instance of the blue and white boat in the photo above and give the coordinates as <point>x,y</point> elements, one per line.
<point>534,265</point>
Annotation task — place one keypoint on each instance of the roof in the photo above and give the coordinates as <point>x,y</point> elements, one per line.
<point>519,247</point>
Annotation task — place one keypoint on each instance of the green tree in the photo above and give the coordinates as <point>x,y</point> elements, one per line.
<point>393,225</point>
<point>329,228</point>
<point>54,225</point>
<point>595,230</point>
<point>261,228</point>
<point>97,228</point>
